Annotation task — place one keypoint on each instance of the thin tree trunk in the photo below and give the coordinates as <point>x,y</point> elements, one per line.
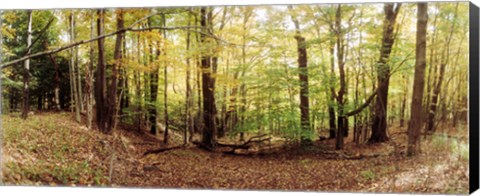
<point>415,124</point>
<point>241,115</point>
<point>138,92</point>
<point>356,118</point>
<point>331,97</point>
<point>26,71</point>
<point>431,65</point>
<point>89,75</point>
<point>165,87</point>
<point>188,91</point>
<point>437,88</point>
<point>152,109</point>
<point>56,79</point>
<point>74,69</point>
<point>341,66</point>
<point>79,78</point>
<point>403,102</point>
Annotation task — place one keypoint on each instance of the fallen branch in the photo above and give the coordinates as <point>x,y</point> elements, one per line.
<point>246,145</point>
<point>160,150</point>
<point>203,146</point>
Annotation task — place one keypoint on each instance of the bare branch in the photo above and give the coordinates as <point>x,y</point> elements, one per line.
<point>10,63</point>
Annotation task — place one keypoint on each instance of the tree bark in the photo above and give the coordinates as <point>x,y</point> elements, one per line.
<point>303,77</point>
<point>111,98</point>
<point>153,87</point>
<point>341,119</point>
<point>379,125</point>
<point>208,89</point>
<point>415,124</point>
<point>100,77</point>
<point>331,97</point>
<point>403,102</point>
<point>431,64</point>
<point>165,87</point>
<point>89,75</point>
<point>74,69</point>
<point>26,71</point>
<point>138,92</point>
<point>188,93</point>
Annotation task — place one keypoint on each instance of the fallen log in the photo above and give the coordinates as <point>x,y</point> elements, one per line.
<point>160,150</point>
<point>246,145</point>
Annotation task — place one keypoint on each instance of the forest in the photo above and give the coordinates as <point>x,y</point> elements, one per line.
<point>329,97</point>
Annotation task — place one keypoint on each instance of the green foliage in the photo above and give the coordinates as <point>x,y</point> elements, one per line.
<point>368,175</point>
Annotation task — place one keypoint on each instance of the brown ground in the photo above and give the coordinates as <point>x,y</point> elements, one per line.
<point>51,149</point>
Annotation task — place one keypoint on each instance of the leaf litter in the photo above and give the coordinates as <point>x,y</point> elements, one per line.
<point>52,149</point>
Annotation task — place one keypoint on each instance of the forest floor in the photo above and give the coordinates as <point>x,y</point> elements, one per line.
<point>51,149</point>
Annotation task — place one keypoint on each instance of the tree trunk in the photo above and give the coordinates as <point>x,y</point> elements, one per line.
<point>26,71</point>
<point>165,87</point>
<point>415,124</point>
<point>188,92</point>
<point>303,77</point>
<point>56,79</point>
<point>89,75</point>
<point>153,96</point>
<point>341,119</point>
<point>100,78</point>
<point>138,92</point>
<point>74,69</point>
<point>403,103</point>
<point>379,125</point>
<point>331,97</point>
<point>437,88</point>
<point>208,89</point>
<point>112,89</point>
<point>431,72</point>
<point>78,80</point>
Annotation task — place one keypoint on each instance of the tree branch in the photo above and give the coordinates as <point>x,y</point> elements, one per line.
<point>363,106</point>
<point>10,63</point>
<point>41,33</point>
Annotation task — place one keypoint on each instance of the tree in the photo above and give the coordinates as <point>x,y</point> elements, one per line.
<point>100,76</point>
<point>341,120</point>
<point>379,124</point>
<point>437,84</point>
<point>303,76</point>
<point>188,91</point>
<point>152,109</point>
<point>75,87</point>
<point>117,57</point>
<point>26,71</point>
<point>89,74</point>
<point>165,87</point>
<point>415,124</point>
<point>208,89</point>
<point>240,59</point>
